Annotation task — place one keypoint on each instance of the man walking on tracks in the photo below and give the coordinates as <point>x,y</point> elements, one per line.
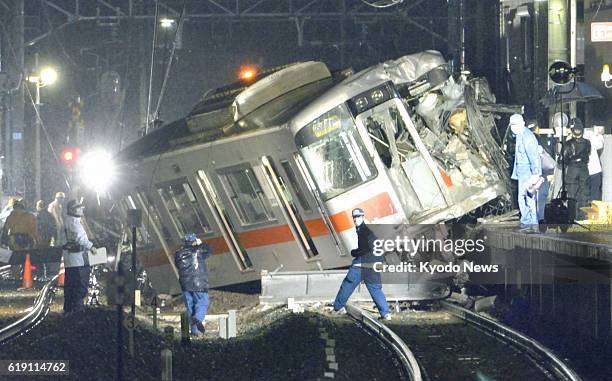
<point>361,269</point>
<point>190,261</point>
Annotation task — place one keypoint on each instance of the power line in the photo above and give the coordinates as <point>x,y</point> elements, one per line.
<point>382,3</point>
<point>146,128</point>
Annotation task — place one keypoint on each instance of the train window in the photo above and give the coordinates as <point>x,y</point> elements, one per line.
<point>388,133</point>
<point>143,238</point>
<point>299,194</point>
<point>395,145</point>
<point>335,153</point>
<point>179,199</point>
<point>154,217</point>
<point>246,195</point>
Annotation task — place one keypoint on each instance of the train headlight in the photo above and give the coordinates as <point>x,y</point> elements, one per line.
<point>97,170</point>
<point>372,98</point>
<point>361,103</point>
<point>377,96</point>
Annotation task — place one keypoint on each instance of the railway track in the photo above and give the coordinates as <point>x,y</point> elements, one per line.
<point>37,313</point>
<point>457,344</point>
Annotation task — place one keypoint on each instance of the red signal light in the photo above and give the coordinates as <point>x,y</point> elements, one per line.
<point>70,155</point>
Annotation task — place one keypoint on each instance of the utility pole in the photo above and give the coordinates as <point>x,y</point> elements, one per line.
<point>37,126</point>
<point>15,142</point>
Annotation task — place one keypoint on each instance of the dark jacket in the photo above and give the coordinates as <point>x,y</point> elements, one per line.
<point>191,265</point>
<point>46,227</point>
<point>577,151</point>
<point>365,244</point>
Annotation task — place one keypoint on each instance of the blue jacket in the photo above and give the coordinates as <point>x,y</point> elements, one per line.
<point>527,160</point>
<point>190,262</point>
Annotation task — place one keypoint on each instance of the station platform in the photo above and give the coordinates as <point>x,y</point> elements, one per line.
<point>578,242</point>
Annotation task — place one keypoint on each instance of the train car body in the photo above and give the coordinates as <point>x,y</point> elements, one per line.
<point>268,174</point>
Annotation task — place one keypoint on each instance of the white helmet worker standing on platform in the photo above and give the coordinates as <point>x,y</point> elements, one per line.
<point>527,170</point>
<point>596,136</point>
<point>75,259</point>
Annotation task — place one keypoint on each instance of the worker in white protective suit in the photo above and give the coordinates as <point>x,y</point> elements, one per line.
<point>595,135</point>
<point>527,171</point>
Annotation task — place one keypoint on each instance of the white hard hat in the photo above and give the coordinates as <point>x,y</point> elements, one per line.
<point>516,119</point>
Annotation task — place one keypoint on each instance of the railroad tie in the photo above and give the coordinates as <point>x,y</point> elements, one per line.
<point>330,353</point>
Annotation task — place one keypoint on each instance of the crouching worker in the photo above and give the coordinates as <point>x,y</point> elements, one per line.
<point>190,261</point>
<point>75,259</point>
<point>362,269</point>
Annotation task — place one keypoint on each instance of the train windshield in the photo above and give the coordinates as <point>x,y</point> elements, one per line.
<point>335,153</point>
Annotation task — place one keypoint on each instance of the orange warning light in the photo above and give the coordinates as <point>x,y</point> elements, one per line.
<point>247,73</point>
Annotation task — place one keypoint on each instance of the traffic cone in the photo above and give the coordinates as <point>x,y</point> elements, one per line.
<point>26,281</point>
<point>62,271</point>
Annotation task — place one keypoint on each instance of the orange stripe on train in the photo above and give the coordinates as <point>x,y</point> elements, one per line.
<point>376,207</point>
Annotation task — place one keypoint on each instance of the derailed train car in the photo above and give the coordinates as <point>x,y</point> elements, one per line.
<point>268,173</point>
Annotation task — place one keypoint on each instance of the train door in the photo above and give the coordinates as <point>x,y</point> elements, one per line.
<point>227,229</point>
<point>289,203</point>
<point>152,222</point>
<point>399,145</point>
<point>309,182</point>
<point>184,212</point>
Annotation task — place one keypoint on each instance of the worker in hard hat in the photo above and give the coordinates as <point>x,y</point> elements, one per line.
<point>595,135</point>
<point>190,261</point>
<point>527,170</point>
<point>56,208</point>
<point>76,259</point>
<point>20,232</point>
<point>576,155</point>
<point>361,269</point>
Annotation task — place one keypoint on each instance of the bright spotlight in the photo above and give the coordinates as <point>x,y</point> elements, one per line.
<point>97,170</point>
<point>166,23</point>
<point>48,76</point>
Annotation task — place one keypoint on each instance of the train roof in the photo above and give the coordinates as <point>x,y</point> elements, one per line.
<point>274,98</point>
<point>408,69</point>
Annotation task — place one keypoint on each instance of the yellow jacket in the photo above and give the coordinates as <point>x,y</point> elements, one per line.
<point>20,222</point>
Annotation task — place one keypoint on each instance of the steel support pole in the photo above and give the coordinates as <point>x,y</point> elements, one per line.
<point>133,310</point>
<point>37,126</point>
<point>15,143</point>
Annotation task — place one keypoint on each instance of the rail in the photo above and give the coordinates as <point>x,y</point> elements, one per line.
<point>33,317</point>
<point>409,362</point>
<point>543,356</point>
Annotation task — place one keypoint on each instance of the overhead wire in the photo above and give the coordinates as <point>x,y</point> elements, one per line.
<point>146,128</point>
<point>170,60</point>
<point>597,11</point>
<point>52,30</point>
<point>382,3</point>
